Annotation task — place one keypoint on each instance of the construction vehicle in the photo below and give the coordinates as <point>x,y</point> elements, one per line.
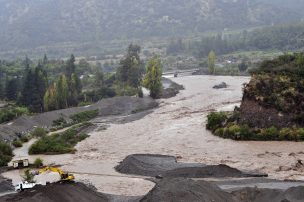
<point>24,185</point>
<point>63,175</point>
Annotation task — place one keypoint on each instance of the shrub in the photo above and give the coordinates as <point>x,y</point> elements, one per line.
<point>28,177</point>
<point>58,143</point>
<point>84,116</point>
<point>234,132</point>
<point>140,93</point>
<point>59,122</point>
<point>38,162</point>
<point>285,134</point>
<point>216,120</point>
<point>271,133</point>
<point>17,143</point>
<point>246,133</point>
<point>39,132</point>
<point>301,133</point>
<point>6,153</point>
<point>25,138</point>
<point>219,132</point>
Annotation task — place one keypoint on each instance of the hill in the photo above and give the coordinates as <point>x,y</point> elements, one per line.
<point>38,23</point>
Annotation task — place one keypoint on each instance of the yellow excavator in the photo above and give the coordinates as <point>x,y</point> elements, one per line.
<point>66,177</point>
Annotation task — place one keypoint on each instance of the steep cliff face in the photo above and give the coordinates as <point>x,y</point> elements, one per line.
<point>32,23</point>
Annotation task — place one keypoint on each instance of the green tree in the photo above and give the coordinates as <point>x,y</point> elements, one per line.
<point>152,80</point>
<point>12,89</point>
<point>211,62</point>
<point>62,92</point>
<point>50,98</point>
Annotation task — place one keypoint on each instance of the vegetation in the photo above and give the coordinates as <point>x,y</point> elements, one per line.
<point>38,163</point>
<point>211,62</point>
<point>6,154</point>
<point>84,116</point>
<point>10,113</point>
<point>277,86</point>
<point>17,143</point>
<point>152,80</point>
<point>28,177</point>
<point>39,132</point>
<point>225,125</point>
<point>58,143</point>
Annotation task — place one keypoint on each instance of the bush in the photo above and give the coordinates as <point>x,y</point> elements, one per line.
<point>59,122</point>
<point>39,132</point>
<point>216,120</point>
<point>38,162</point>
<point>84,116</point>
<point>6,154</point>
<point>28,177</point>
<point>25,138</point>
<point>301,133</point>
<point>58,143</point>
<point>246,133</point>
<point>234,132</point>
<point>271,133</point>
<point>140,93</point>
<point>17,143</point>
<point>285,134</point>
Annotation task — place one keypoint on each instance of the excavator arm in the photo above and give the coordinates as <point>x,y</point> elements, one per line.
<point>63,176</point>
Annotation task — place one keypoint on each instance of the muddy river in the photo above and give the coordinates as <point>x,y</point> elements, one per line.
<point>176,128</point>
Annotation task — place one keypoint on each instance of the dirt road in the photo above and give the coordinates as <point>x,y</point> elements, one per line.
<point>177,128</point>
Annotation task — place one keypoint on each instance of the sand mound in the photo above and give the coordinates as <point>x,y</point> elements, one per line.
<point>179,189</point>
<point>294,194</point>
<point>57,193</point>
<point>150,165</point>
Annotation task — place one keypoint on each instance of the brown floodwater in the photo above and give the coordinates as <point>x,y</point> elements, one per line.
<point>177,128</point>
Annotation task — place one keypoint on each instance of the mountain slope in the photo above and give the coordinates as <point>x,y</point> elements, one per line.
<point>33,23</point>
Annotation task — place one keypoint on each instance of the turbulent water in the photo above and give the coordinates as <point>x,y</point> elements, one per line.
<point>177,128</point>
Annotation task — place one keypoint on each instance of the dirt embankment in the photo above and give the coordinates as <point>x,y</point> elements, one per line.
<point>106,107</point>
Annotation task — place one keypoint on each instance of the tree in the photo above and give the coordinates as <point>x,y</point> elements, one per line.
<point>243,66</point>
<point>2,93</point>
<point>211,62</point>
<point>50,98</point>
<point>12,89</point>
<point>152,80</point>
<point>62,92</point>
<point>130,70</point>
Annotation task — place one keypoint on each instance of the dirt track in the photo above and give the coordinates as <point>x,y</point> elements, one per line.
<point>177,128</point>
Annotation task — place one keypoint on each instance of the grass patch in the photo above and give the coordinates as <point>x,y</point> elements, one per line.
<point>58,143</point>
<point>39,132</point>
<point>11,113</point>
<point>17,143</point>
<point>6,154</point>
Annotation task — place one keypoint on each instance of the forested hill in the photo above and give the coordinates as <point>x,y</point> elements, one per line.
<point>33,23</point>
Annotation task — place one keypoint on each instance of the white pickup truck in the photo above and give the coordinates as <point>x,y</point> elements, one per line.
<point>25,185</point>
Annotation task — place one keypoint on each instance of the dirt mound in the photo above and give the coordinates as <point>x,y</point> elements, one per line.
<point>217,171</point>
<point>221,85</point>
<point>179,189</point>
<point>57,193</point>
<point>294,194</point>
<point>112,106</point>
<point>150,165</point>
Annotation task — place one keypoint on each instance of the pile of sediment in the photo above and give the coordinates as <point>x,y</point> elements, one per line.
<point>294,194</point>
<point>150,165</point>
<point>180,189</point>
<point>58,192</point>
<point>167,166</point>
<point>112,106</point>
<point>170,88</point>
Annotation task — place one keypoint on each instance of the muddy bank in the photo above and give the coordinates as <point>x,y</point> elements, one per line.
<point>106,107</point>
<point>57,192</point>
